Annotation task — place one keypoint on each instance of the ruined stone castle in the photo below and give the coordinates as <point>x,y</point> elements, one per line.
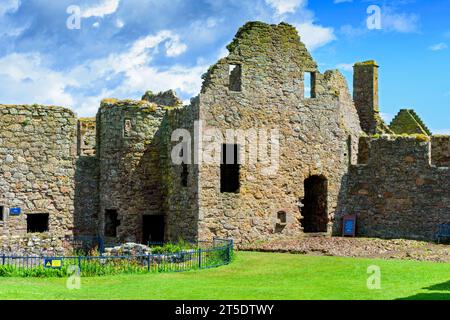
<point>114,176</point>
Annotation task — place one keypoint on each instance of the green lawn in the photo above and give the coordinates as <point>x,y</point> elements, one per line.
<point>255,276</point>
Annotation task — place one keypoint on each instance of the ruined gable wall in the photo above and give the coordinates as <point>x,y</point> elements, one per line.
<point>314,137</point>
<point>37,166</point>
<point>398,193</point>
<point>128,148</point>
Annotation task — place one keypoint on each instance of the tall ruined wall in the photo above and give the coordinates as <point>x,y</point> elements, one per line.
<point>181,197</point>
<point>315,134</point>
<point>86,180</point>
<point>37,167</point>
<point>397,193</point>
<point>128,148</point>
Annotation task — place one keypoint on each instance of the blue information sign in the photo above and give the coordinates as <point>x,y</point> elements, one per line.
<point>349,226</point>
<point>15,211</point>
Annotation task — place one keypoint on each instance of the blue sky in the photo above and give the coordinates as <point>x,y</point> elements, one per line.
<point>125,47</point>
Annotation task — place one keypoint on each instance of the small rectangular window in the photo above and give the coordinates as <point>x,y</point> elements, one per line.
<point>111,223</point>
<point>230,169</point>
<point>127,128</point>
<point>308,83</point>
<point>282,217</point>
<point>235,74</point>
<point>37,223</point>
<point>184,175</point>
<point>2,210</point>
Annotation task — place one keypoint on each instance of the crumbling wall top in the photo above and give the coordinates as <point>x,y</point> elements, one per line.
<point>396,150</point>
<point>110,103</point>
<point>20,109</point>
<point>258,37</point>
<point>167,98</point>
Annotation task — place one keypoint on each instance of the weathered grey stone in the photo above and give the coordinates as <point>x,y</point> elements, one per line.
<point>78,170</point>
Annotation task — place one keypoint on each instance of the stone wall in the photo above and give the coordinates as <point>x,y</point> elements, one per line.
<point>37,168</point>
<point>317,135</point>
<point>86,180</point>
<point>398,193</point>
<point>77,171</point>
<point>440,151</point>
<point>181,201</point>
<point>128,148</point>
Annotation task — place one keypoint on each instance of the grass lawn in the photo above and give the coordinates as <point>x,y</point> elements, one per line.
<point>255,276</point>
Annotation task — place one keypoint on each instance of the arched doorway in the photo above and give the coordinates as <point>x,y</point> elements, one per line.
<point>315,205</point>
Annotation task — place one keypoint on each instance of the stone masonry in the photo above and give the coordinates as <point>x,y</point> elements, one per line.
<point>114,176</point>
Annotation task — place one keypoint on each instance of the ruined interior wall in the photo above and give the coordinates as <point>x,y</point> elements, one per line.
<point>37,166</point>
<point>86,180</point>
<point>314,137</point>
<point>129,150</point>
<point>181,202</point>
<point>87,136</point>
<point>398,194</point>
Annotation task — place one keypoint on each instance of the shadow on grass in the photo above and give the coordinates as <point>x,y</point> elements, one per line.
<point>440,287</point>
<point>442,295</point>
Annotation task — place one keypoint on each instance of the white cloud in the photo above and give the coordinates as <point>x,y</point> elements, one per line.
<point>26,76</point>
<point>120,24</point>
<point>315,36</point>
<point>438,47</point>
<point>7,6</point>
<point>96,24</point>
<point>174,47</point>
<point>345,66</point>
<point>400,22</point>
<point>285,6</point>
<point>103,8</point>
<point>391,21</point>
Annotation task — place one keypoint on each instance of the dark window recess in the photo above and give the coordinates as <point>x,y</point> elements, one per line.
<point>153,229</point>
<point>235,77</point>
<point>37,223</point>
<point>2,210</point>
<point>282,217</point>
<point>111,223</point>
<point>230,169</point>
<point>184,175</point>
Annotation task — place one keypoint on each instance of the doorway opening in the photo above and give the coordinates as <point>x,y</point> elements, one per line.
<point>112,222</point>
<point>152,229</point>
<point>315,205</point>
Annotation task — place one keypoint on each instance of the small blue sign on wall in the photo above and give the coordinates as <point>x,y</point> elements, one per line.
<point>349,226</point>
<point>15,211</point>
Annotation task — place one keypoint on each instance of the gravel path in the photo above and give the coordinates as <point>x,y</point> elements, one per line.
<point>357,247</point>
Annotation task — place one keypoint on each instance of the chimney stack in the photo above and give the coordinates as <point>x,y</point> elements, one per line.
<point>365,96</point>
